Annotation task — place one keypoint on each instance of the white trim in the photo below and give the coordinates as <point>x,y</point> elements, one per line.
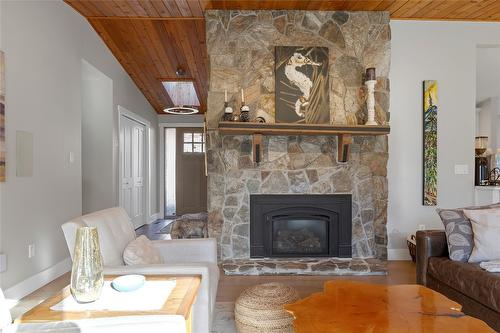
<point>173,119</point>
<point>162,127</point>
<point>154,217</point>
<point>174,125</point>
<point>162,172</point>
<point>123,112</point>
<point>398,254</point>
<point>38,280</point>
<point>130,114</point>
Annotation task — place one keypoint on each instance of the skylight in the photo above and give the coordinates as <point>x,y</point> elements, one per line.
<point>182,93</point>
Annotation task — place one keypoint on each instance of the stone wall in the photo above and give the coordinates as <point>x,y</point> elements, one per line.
<point>241,50</point>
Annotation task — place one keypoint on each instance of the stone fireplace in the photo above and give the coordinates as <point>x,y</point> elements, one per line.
<point>312,225</point>
<point>241,55</point>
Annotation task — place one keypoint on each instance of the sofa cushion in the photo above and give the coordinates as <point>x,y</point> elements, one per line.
<point>468,279</point>
<point>141,251</point>
<point>486,230</point>
<point>459,231</point>
<point>115,232</point>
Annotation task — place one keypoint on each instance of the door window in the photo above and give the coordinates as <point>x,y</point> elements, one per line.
<point>194,142</point>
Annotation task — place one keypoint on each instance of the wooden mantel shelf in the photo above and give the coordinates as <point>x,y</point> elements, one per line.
<point>240,128</point>
<point>344,133</point>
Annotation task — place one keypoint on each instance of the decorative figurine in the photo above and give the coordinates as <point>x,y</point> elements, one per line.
<point>244,110</point>
<point>228,111</point>
<point>370,81</point>
<point>262,117</point>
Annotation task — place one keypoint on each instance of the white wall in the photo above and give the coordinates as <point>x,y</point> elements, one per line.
<point>98,190</point>
<point>487,72</point>
<point>45,42</point>
<point>446,52</point>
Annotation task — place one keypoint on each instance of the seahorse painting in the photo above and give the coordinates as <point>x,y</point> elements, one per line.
<point>302,85</point>
<point>300,80</point>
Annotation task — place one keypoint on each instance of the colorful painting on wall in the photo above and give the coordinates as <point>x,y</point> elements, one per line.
<point>2,117</point>
<point>302,85</point>
<point>430,143</point>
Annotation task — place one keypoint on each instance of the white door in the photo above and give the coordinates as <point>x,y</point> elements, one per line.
<point>132,160</point>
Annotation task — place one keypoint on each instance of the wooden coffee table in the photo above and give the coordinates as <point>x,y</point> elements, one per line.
<point>347,306</point>
<point>179,302</point>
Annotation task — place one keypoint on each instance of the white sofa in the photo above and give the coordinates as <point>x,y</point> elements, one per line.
<point>182,257</point>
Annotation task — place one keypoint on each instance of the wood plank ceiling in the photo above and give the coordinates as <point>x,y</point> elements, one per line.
<point>153,38</point>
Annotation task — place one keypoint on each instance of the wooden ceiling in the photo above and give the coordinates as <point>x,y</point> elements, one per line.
<point>153,38</point>
<point>152,50</point>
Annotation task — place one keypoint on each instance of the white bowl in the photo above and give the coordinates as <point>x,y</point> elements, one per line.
<point>126,283</point>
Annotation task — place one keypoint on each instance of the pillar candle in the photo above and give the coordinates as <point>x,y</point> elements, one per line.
<point>370,74</point>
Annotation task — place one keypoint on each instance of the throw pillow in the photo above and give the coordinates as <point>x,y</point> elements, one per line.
<point>141,251</point>
<point>486,228</point>
<point>459,231</point>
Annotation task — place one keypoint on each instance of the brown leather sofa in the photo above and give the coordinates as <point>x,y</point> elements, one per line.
<point>477,290</point>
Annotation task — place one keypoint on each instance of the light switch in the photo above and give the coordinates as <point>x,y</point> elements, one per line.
<point>461,169</point>
<point>71,157</point>
<point>3,263</point>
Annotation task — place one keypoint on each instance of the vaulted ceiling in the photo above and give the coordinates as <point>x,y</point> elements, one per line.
<point>153,38</point>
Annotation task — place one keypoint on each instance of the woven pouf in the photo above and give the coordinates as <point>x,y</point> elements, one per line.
<point>259,309</point>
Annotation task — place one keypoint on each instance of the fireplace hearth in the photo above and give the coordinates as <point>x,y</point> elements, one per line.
<point>283,225</point>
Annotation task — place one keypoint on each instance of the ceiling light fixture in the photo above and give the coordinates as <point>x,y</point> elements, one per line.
<point>180,110</point>
<point>183,96</point>
<point>180,71</point>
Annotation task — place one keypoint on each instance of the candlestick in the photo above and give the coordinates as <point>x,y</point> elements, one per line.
<point>370,102</point>
<point>225,96</point>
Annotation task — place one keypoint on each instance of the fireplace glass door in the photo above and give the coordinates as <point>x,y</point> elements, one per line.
<point>294,235</point>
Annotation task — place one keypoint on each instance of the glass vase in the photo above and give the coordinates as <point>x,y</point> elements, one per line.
<point>87,276</point>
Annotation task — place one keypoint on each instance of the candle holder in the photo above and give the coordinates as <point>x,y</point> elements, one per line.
<point>244,110</point>
<point>370,102</point>
<point>228,112</point>
<point>245,113</point>
<point>370,82</point>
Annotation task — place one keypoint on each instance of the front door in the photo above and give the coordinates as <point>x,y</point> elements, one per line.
<point>191,182</point>
<point>132,159</point>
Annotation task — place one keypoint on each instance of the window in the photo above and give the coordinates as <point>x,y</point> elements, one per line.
<point>194,142</point>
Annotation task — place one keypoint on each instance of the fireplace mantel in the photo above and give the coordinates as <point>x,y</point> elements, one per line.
<point>242,128</point>
<point>344,133</point>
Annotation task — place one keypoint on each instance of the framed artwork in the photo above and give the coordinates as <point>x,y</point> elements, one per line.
<point>430,114</point>
<point>2,117</point>
<point>302,94</point>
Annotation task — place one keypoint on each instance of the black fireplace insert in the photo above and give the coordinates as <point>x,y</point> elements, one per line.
<point>314,225</point>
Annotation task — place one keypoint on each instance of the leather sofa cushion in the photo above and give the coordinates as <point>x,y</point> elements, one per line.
<point>468,279</point>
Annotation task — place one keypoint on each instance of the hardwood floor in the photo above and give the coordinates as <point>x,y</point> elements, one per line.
<point>38,296</point>
<point>230,287</point>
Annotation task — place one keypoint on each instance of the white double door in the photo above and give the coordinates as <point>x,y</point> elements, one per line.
<point>133,169</point>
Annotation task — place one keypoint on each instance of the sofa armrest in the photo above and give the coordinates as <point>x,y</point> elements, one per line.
<point>188,250</point>
<point>430,243</point>
<point>205,300</point>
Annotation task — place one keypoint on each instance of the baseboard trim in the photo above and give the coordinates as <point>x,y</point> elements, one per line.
<point>154,217</point>
<point>38,280</point>
<point>398,254</point>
